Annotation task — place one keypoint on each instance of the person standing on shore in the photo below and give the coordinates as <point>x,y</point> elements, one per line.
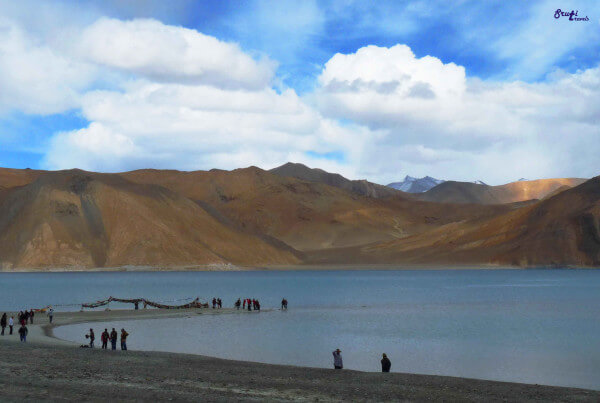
<point>284,304</point>
<point>124,335</point>
<point>104,338</point>
<point>238,303</point>
<point>113,339</point>
<point>3,322</point>
<point>50,314</point>
<point>31,316</point>
<point>11,323</point>
<point>386,364</point>
<point>338,363</point>
<point>23,333</point>
<point>92,337</point>
<point>219,303</point>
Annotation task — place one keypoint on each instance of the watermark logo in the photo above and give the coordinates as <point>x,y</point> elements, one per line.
<point>573,15</point>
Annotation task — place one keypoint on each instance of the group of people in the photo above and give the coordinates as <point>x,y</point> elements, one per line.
<point>217,303</point>
<point>26,316</point>
<point>4,322</point>
<point>338,363</point>
<point>105,337</point>
<point>251,303</point>
<point>23,318</point>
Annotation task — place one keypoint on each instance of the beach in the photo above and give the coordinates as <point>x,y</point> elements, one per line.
<point>46,368</point>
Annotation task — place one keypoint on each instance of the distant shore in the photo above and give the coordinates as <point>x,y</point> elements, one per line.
<point>48,368</point>
<point>300,267</point>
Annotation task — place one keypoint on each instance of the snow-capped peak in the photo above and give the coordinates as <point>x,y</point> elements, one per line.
<point>416,185</point>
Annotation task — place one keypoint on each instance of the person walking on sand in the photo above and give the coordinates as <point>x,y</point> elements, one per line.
<point>214,302</point>
<point>338,363</point>
<point>104,337</point>
<point>249,304</point>
<point>23,333</point>
<point>31,316</point>
<point>113,339</point>
<point>92,337</point>
<point>3,322</point>
<point>50,314</point>
<point>386,364</point>
<point>11,323</point>
<point>219,303</point>
<point>284,304</point>
<point>237,304</point>
<point>124,335</point>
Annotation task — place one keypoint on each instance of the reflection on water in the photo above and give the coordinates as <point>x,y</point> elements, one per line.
<point>530,326</point>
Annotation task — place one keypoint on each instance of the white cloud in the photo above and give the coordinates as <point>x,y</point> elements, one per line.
<point>167,53</point>
<point>176,98</point>
<point>440,122</point>
<point>193,127</point>
<point>36,79</point>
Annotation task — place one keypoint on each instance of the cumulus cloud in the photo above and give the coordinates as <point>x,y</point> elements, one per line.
<point>189,101</point>
<point>162,52</point>
<point>437,120</point>
<point>164,96</point>
<point>192,127</point>
<point>34,78</point>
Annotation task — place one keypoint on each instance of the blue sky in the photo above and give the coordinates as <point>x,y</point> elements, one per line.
<point>501,46</point>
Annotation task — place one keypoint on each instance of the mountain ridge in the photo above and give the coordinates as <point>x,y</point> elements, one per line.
<point>249,216</point>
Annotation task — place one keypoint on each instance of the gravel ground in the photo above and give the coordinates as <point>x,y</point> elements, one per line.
<point>37,372</point>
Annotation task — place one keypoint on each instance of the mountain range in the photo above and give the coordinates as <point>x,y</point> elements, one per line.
<point>287,216</point>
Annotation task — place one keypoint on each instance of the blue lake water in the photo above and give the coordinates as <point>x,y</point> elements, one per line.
<point>532,326</point>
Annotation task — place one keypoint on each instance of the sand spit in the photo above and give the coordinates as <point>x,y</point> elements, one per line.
<point>46,368</point>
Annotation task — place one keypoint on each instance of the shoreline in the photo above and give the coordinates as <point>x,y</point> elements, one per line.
<point>253,377</point>
<point>298,267</point>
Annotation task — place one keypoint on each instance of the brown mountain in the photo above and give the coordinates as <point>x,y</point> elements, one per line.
<point>465,192</point>
<point>361,187</point>
<point>306,215</point>
<point>253,217</point>
<point>77,218</point>
<point>561,230</point>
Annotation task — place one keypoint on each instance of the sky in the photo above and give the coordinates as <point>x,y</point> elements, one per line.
<point>466,90</point>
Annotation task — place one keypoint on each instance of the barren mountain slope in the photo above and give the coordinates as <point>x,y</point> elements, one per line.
<point>306,215</point>
<point>465,192</point>
<point>361,187</point>
<point>76,218</point>
<point>563,229</point>
<point>10,178</point>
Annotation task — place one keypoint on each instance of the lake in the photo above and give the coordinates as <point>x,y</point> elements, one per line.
<point>532,326</point>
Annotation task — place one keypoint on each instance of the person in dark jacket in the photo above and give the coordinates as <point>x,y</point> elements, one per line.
<point>23,333</point>
<point>104,337</point>
<point>3,323</point>
<point>31,314</point>
<point>386,364</point>
<point>338,363</point>
<point>113,339</point>
<point>124,335</point>
<point>92,337</point>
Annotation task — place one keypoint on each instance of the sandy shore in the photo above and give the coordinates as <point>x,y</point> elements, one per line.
<point>46,368</point>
